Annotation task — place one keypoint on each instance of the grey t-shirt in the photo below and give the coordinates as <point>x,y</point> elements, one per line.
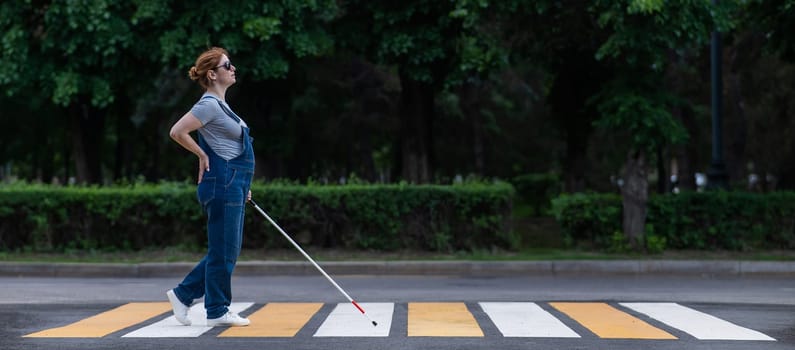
<point>221,132</point>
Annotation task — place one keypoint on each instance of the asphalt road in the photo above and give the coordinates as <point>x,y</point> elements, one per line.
<point>762,304</point>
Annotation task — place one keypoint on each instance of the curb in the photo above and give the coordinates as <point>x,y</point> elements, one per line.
<point>461,268</point>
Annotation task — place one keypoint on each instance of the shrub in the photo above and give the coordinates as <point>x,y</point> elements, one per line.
<point>381,217</point>
<point>537,191</point>
<point>588,220</point>
<point>690,220</point>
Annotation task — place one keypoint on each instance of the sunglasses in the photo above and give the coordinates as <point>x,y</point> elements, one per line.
<point>227,65</point>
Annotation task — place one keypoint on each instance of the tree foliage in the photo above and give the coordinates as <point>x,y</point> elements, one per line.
<point>418,90</point>
<point>776,20</point>
<point>642,36</point>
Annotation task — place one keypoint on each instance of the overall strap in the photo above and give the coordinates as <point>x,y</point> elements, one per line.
<point>230,114</point>
<point>226,110</point>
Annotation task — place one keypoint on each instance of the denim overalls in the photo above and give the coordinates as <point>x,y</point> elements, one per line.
<point>222,194</point>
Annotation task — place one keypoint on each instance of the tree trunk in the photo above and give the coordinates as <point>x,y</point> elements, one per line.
<point>634,196</point>
<point>365,157</point>
<point>469,104</point>
<point>87,130</point>
<point>367,86</point>
<point>478,147</point>
<point>687,156</point>
<point>416,119</point>
<point>662,175</point>
<point>575,163</point>
<point>579,78</point>
<point>737,127</point>
<point>119,156</point>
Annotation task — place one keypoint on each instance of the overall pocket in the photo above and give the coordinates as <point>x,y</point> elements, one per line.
<point>205,192</point>
<point>237,186</point>
<point>230,177</point>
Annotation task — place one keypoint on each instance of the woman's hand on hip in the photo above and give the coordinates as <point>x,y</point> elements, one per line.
<point>204,164</point>
<point>180,132</point>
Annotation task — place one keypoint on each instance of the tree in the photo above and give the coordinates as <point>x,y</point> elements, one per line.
<point>560,40</point>
<point>265,41</point>
<point>775,19</point>
<point>106,62</point>
<point>565,40</point>
<point>642,33</point>
<point>764,71</point>
<point>64,50</point>
<point>426,42</point>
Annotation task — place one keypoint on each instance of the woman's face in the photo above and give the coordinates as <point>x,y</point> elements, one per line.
<point>224,72</point>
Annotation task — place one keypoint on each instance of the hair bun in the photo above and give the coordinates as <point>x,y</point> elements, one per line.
<point>193,73</point>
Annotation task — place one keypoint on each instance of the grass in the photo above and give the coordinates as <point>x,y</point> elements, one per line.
<point>181,254</point>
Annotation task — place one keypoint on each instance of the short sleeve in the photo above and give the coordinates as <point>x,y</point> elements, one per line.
<point>204,111</point>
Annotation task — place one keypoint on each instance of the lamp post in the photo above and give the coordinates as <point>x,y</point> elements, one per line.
<point>717,178</point>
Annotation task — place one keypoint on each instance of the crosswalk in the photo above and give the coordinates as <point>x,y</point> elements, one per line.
<point>631,320</point>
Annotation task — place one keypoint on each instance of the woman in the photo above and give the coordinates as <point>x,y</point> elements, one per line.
<point>226,166</point>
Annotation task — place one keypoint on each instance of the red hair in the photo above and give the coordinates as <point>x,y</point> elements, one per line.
<point>207,61</point>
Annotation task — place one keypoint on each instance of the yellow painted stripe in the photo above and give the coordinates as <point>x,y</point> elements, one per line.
<point>608,322</point>
<point>441,320</point>
<point>107,322</point>
<point>276,320</point>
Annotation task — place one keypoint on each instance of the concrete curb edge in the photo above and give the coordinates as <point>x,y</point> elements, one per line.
<point>465,268</point>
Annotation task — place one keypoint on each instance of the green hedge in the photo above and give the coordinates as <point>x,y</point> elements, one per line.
<point>690,220</point>
<point>380,217</point>
<point>536,191</point>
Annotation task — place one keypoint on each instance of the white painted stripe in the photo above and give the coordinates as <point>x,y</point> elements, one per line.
<point>696,323</point>
<point>171,328</point>
<point>526,320</point>
<point>346,321</point>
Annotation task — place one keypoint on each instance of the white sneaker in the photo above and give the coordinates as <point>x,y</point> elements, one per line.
<point>180,309</point>
<point>228,319</point>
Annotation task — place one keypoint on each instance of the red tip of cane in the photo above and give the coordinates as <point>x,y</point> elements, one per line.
<point>357,306</point>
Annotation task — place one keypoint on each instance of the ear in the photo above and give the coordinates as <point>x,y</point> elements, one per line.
<point>211,75</point>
